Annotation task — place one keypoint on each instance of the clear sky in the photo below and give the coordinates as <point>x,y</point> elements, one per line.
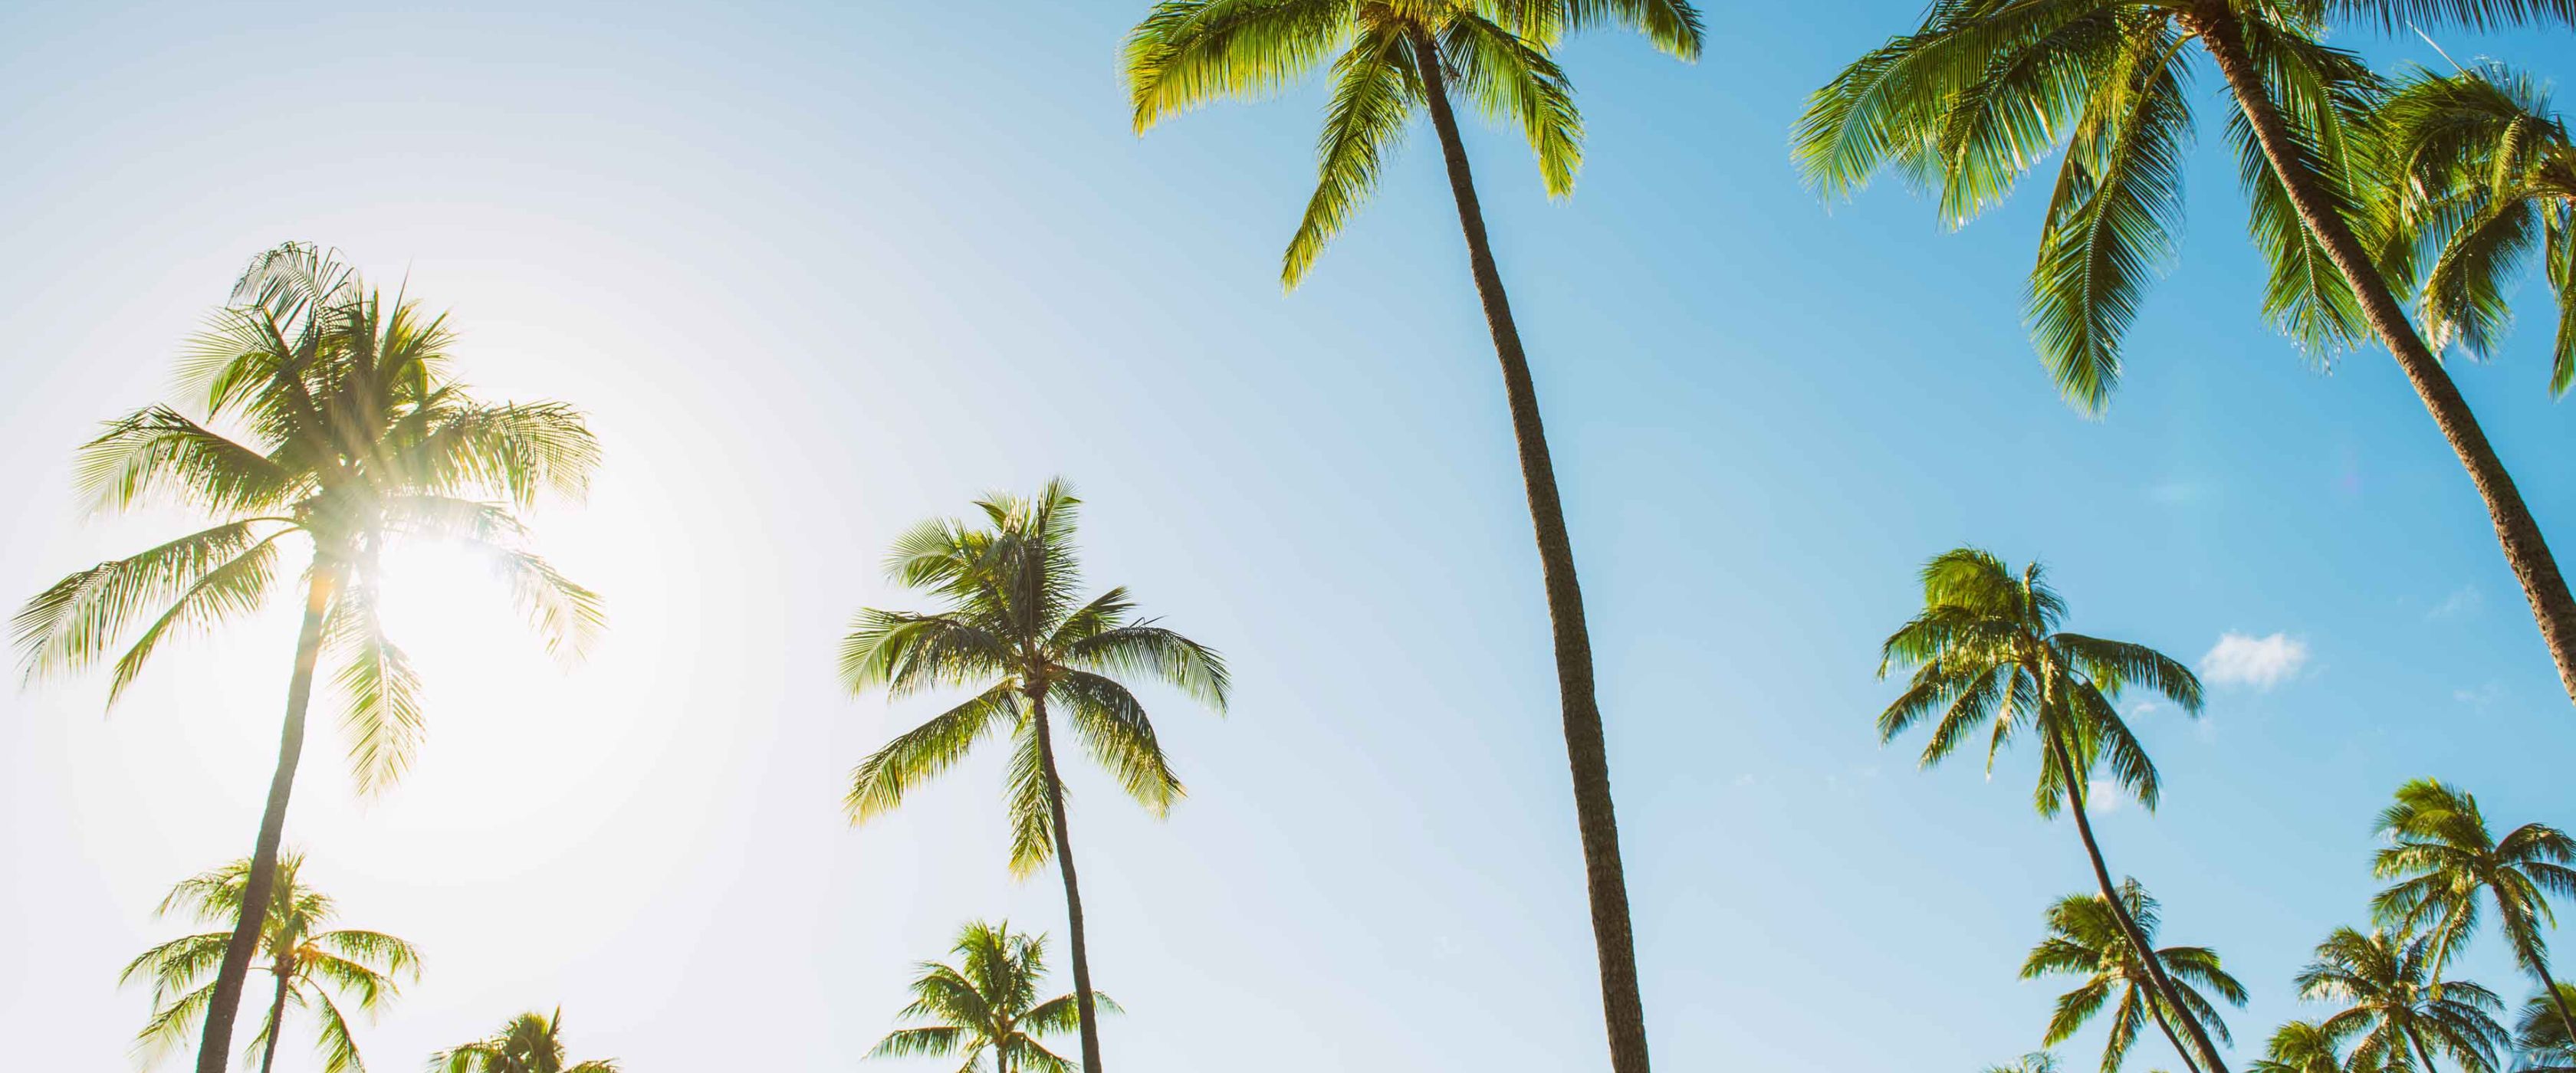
<point>821,271</point>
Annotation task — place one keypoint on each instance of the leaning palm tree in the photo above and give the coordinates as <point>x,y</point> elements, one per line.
<point>1013,626</point>
<point>1391,60</point>
<point>1986,653</point>
<point>531,1043</point>
<point>1983,90</point>
<point>2085,939</point>
<point>987,1004</point>
<point>2394,1010</point>
<point>2540,1039</point>
<point>2305,1047</point>
<point>359,439</point>
<point>2448,867</point>
<point>2485,176</point>
<point>306,960</point>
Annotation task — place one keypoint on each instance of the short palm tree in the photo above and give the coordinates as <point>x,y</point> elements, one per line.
<point>1983,90</point>
<point>2085,939</point>
<point>2305,1047</point>
<point>359,439</point>
<point>305,959</point>
<point>2394,1010</point>
<point>1391,60</point>
<point>988,1003</point>
<point>1986,654</point>
<point>531,1043</point>
<point>2448,867</point>
<point>2486,178</point>
<point>1013,626</point>
<point>2034,1062</point>
<point>2540,1035</point>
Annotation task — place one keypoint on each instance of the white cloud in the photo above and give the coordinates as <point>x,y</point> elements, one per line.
<point>2103,797</point>
<point>2262,662</point>
<point>2461,601</point>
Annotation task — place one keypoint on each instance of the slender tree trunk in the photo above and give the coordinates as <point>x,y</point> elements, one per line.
<point>2557,998</point>
<point>216,1046</point>
<point>276,1021</point>
<point>2120,910</point>
<point>2525,550</point>
<point>2165,1023</point>
<point>2417,1039</point>
<point>1072,890</point>
<point>1614,945</point>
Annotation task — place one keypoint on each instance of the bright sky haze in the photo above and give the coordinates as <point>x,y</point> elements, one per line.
<point>820,271</point>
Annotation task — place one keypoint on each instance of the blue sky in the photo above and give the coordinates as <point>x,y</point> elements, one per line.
<point>821,272</point>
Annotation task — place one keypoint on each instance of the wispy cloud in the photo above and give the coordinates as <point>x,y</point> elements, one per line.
<point>2102,796</point>
<point>2261,662</point>
<point>2461,601</point>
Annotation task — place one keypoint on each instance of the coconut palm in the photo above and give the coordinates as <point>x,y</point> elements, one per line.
<point>2540,1038</point>
<point>987,1004</point>
<point>1986,654</point>
<point>1391,60</point>
<point>2034,1062</point>
<point>2305,1047</point>
<point>358,439</point>
<point>2486,177</point>
<point>2085,939</point>
<point>2394,1010</point>
<point>531,1043</point>
<point>1013,626</point>
<point>2448,867</point>
<point>306,960</point>
<point>1983,90</point>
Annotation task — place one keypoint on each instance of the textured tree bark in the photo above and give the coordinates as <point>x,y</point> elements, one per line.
<point>276,1021</point>
<point>1587,757</point>
<point>2120,910</point>
<point>1072,890</point>
<point>215,1048</point>
<point>2166,1024</point>
<point>2525,550</point>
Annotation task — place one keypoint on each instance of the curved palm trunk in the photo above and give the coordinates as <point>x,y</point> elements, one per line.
<point>216,1046</point>
<point>2557,997</point>
<point>2166,1024</point>
<point>2417,1039</point>
<point>2164,987</point>
<point>2525,550</point>
<point>1603,878</point>
<point>276,1020</point>
<point>1072,891</point>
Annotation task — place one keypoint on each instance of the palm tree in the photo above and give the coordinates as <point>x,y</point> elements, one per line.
<point>1389,60</point>
<point>2484,170</point>
<point>2540,1034</point>
<point>2305,1047</point>
<point>2084,938</point>
<point>1985,651</point>
<point>307,962</point>
<point>531,1043</point>
<point>2447,866</point>
<point>2034,1062</point>
<point>359,440</point>
<point>988,1003</point>
<point>2395,1007</point>
<point>1011,626</point>
<point>1984,89</point>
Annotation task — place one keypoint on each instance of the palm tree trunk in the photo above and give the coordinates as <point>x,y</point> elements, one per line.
<point>2557,998</point>
<point>215,1048</point>
<point>2525,550</point>
<point>2417,1039</point>
<point>2120,910</point>
<point>1614,945</point>
<point>1072,890</point>
<point>276,1020</point>
<point>2166,1024</point>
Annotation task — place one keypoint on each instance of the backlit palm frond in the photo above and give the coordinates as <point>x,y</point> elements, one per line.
<point>517,451</point>
<point>568,618</point>
<point>1673,26</point>
<point>379,689</point>
<point>157,454</point>
<point>880,782</point>
<point>1146,649</point>
<point>1190,53</point>
<point>1025,801</point>
<point>1376,87</point>
<point>908,653</point>
<point>2399,15</point>
<point>79,619</point>
<point>1513,80</point>
<point>226,593</point>
<point>1889,107</point>
<point>1113,727</point>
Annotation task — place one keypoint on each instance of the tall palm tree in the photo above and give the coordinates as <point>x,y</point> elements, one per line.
<point>2305,1047</point>
<point>2085,939</point>
<point>1984,89</point>
<point>2394,1010</point>
<point>359,439</point>
<point>2448,866</point>
<point>305,959</point>
<point>1390,60</point>
<point>988,1004</point>
<point>2540,1035</point>
<point>1013,626</point>
<point>1986,652</point>
<point>531,1043</point>
<point>2485,171</point>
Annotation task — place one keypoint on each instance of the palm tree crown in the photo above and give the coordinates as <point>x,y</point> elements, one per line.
<point>2305,1047</point>
<point>987,1004</point>
<point>531,1043</point>
<point>307,960</point>
<point>2084,938</point>
<point>2540,1037</point>
<point>2394,1010</point>
<point>2448,866</point>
